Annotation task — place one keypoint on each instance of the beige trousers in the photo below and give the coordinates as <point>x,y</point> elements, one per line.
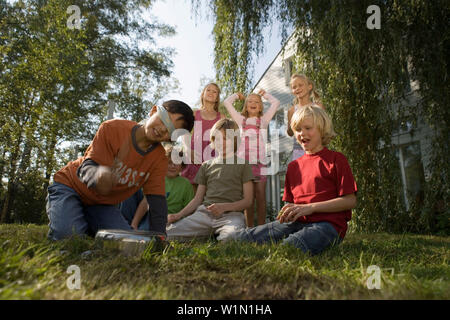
<point>202,224</point>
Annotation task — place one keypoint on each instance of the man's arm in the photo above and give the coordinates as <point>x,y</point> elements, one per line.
<point>219,208</point>
<point>191,206</point>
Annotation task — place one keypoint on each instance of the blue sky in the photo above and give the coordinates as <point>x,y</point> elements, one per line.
<point>194,47</point>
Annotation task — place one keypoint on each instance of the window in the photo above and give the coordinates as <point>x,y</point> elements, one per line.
<point>412,173</point>
<point>278,124</point>
<point>406,126</point>
<point>288,66</point>
<point>275,190</point>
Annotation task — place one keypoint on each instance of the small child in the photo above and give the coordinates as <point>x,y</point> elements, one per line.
<point>253,125</point>
<point>305,94</point>
<point>224,190</point>
<point>123,157</point>
<point>319,190</point>
<point>179,193</point>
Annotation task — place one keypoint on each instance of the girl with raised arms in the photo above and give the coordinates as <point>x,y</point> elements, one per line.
<point>253,122</point>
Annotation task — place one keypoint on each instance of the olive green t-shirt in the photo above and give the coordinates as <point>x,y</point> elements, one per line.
<point>223,181</point>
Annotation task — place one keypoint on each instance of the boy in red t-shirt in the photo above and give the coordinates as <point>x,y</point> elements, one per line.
<point>319,190</point>
<point>123,157</point>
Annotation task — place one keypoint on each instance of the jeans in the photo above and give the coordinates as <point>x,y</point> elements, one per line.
<point>128,209</point>
<point>311,238</point>
<point>68,216</point>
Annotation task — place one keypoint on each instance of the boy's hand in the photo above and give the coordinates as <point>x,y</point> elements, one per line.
<point>105,180</point>
<point>134,226</point>
<point>217,209</point>
<point>174,217</point>
<point>291,212</point>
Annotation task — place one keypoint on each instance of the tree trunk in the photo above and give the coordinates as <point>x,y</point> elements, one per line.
<point>2,163</point>
<point>12,174</point>
<point>9,196</point>
<point>49,161</point>
<point>7,203</point>
<point>2,168</point>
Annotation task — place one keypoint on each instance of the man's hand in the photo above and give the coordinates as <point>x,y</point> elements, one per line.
<point>291,212</point>
<point>217,209</point>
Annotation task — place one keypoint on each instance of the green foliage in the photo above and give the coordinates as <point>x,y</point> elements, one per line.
<point>237,34</point>
<point>362,74</point>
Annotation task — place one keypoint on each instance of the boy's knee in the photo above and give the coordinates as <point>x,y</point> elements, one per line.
<point>65,232</point>
<point>296,242</point>
<point>241,235</point>
<point>228,233</point>
<point>313,239</point>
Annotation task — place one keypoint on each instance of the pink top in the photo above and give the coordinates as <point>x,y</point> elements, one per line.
<point>200,141</point>
<point>200,137</point>
<point>253,139</point>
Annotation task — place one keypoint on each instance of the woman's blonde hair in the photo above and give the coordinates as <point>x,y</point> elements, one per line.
<point>216,105</point>
<point>320,119</point>
<point>244,109</point>
<point>225,124</point>
<point>314,96</point>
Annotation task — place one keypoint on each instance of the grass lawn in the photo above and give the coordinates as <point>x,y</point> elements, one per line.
<point>412,267</point>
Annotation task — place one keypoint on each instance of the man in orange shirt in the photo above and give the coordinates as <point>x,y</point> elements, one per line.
<point>123,157</point>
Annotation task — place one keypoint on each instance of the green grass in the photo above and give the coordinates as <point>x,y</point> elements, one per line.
<point>413,267</point>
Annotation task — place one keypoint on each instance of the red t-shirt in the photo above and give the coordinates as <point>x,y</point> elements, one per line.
<point>113,147</point>
<point>317,177</point>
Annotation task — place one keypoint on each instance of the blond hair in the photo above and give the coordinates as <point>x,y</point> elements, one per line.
<point>313,95</point>
<point>320,119</point>
<point>217,103</point>
<point>225,124</point>
<point>244,109</point>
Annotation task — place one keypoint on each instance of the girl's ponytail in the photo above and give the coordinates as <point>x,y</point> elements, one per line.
<point>315,95</point>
